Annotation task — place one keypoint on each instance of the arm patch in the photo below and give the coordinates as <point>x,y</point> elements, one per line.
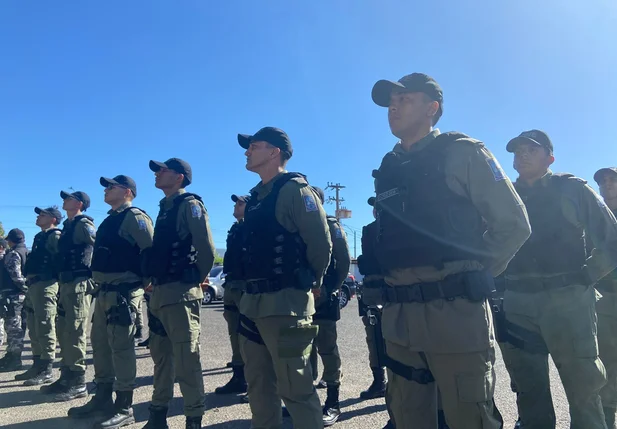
<point>309,203</point>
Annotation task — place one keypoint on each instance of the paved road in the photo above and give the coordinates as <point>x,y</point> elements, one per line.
<point>24,407</point>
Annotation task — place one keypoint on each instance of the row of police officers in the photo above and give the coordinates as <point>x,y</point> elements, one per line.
<point>448,222</point>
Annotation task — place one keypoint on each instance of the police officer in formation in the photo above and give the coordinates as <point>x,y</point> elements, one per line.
<point>116,269</point>
<point>606,307</point>
<point>327,313</point>
<point>3,248</point>
<point>287,249</point>
<point>12,295</point>
<point>181,256</point>
<point>75,287</point>
<point>549,298</point>
<point>42,280</point>
<point>234,287</point>
<point>449,221</point>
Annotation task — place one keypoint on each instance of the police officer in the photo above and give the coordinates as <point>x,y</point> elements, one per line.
<point>42,295</point>
<point>327,313</point>
<point>75,288</point>
<point>3,247</point>
<point>449,221</point>
<point>287,250</point>
<point>179,260</point>
<point>549,300</point>
<point>234,287</point>
<point>370,298</point>
<point>12,295</point>
<point>606,178</point>
<point>116,268</point>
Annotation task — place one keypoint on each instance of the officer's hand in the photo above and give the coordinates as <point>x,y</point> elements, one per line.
<point>316,293</point>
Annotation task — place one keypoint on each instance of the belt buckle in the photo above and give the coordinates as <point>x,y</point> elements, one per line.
<point>415,293</point>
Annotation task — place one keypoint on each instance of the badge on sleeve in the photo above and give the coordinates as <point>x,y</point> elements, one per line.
<point>309,203</point>
<point>141,224</point>
<point>196,211</point>
<point>91,231</point>
<point>498,173</point>
<point>338,233</point>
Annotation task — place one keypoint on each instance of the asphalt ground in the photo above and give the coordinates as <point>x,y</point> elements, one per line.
<point>26,408</point>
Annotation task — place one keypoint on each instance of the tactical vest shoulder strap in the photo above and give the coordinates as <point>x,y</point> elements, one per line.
<point>83,218</point>
<point>280,182</point>
<point>445,139</point>
<point>137,211</point>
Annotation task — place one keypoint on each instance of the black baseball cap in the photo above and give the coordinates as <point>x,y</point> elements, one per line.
<point>16,236</point>
<point>79,196</point>
<point>121,180</point>
<point>371,201</point>
<point>3,243</point>
<point>415,82</point>
<point>235,198</point>
<point>275,136</point>
<point>532,136</point>
<point>176,164</point>
<point>604,171</point>
<point>50,211</point>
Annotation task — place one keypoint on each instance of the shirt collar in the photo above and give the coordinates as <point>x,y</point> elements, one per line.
<point>121,208</point>
<point>420,144</point>
<point>169,199</point>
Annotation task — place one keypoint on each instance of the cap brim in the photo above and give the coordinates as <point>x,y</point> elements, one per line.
<point>371,201</point>
<point>244,140</point>
<point>65,195</point>
<point>39,210</point>
<point>106,181</point>
<point>382,91</point>
<point>512,144</point>
<point>156,165</point>
<point>602,172</point>
<point>234,198</point>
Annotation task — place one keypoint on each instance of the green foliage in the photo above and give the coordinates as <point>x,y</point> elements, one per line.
<point>2,233</point>
<point>218,260</point>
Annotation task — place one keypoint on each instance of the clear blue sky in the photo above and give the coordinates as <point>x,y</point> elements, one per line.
<point>99,88</point>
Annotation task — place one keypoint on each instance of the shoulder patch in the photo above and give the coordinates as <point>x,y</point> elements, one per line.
<point>141,224</point>
<point>196,211</point>
<point>309,203</point>
<point>338,233</point>
<point>498,173</point>
<point>91,230</point>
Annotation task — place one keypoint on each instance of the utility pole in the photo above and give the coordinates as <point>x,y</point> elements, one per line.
<point>354,243</point>
<point>337,199</point>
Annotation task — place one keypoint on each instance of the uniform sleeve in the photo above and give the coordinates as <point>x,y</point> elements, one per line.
<point>340,252</point>
<point>600,227</point>
<point>139,227</point>
<point>85,232</point>
<point>299,209</point>
<point>52,243</point>
<point>12,263</point>
<point>472,171</point>
<point>199,227</point>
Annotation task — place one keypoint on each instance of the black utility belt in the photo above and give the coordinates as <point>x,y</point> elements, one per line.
<point>374,284</point>
<point>69,276</point>
<point>189,275</point>
<point>254,287</point>
<point>41,278</point>
<point>475,286</point>
<point>532,285</point>
<point>120,287</point>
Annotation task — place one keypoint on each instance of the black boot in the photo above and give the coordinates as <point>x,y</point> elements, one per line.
<point>237,384</point>
<point>144,343</point>
<point>378,388</point>
<point>99,405</point>
<point>321,385</point>
<point>76,388</point>
<point>11,362</point>
<point>60,385</point>
<point>389,425</point>
<point>43,376</point>
<point>193,422</point>
<point>517,425</point>
<point>441,420</point>
<point>31,372</point>
<point>331,409</point>
<point>609,417</point>
<point>138,333</point>
<point>123,412</point>
<point>157,419</point>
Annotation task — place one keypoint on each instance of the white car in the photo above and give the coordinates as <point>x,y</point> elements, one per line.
<point>213,286</point>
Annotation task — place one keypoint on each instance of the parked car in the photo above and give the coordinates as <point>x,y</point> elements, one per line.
<point>213,286</point>
<point>348,290</point>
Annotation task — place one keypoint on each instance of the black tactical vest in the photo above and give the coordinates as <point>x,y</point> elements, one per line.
<point>555,246</point>
<point>270,251</point>
<point>170,258</point>
<point>6,282</point>
<point>73,257</point>
<point>421,221</point>
<point>232,262</point>
<point>367,261</point>
<point>40,260</point>
<point>330,275</point>
<point>113,253</point>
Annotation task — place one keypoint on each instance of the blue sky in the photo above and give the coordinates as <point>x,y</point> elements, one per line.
<point>99,88</point>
